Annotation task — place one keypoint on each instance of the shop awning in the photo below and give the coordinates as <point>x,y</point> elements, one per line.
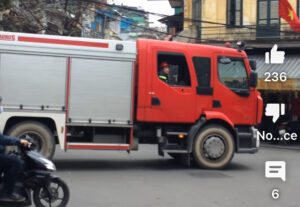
<point>291,67</point>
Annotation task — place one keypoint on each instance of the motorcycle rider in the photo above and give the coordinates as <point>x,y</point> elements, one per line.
<point>11,166</point>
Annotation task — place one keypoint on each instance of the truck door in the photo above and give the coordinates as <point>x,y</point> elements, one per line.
<point>232,94</point>
<point>172,100</point>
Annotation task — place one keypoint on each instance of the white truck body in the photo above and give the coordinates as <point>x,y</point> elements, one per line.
<point>71,80</point>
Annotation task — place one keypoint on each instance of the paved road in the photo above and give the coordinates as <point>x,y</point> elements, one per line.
<point>143,179</point>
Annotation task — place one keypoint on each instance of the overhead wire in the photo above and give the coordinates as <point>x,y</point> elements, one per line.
<point>251,27</point>
<point>150,29</point>
<point>157,31</point>
<point>128,8</point>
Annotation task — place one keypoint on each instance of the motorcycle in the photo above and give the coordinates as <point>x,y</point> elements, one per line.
<point>37,179</point>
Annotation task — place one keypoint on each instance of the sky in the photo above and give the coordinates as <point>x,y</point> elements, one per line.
<point>156,6</point>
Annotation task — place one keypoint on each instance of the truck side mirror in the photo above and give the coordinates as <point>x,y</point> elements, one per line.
<point>252,64</point>
<point>253,79</point>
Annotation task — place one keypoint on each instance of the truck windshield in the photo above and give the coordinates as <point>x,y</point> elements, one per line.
<point>233,73</point>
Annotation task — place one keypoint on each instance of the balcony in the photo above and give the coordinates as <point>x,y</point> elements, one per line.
<point>256,36</point>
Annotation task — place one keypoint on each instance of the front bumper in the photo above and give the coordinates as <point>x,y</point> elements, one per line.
<point>246,139</point>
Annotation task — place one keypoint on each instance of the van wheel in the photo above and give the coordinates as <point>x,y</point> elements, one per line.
<point>36,133</point>
<point>213,147</point>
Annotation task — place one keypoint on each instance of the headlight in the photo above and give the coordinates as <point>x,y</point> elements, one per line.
<point>49,165</point>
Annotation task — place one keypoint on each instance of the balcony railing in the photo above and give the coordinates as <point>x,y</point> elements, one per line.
<point>252,33</point>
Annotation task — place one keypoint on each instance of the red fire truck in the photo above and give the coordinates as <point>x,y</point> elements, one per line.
<point>103,94</point>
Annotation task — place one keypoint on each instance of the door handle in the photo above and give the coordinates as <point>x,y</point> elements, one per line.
<point>155,101</point>
<point>217,104</point>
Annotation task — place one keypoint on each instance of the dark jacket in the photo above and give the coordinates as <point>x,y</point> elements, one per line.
<point>5,140</point>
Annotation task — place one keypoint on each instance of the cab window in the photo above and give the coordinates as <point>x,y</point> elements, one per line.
<point>203,69</point>
<point>178,69</point>
<point>232,72</point>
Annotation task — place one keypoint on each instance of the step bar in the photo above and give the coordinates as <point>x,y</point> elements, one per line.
<point>174,148</point>
<point>176,151</point>
<point>97,146</point>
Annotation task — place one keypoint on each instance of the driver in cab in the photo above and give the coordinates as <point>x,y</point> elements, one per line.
<point>163,74</point>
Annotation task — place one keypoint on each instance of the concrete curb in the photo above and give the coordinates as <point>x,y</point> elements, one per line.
<point>287,147</point>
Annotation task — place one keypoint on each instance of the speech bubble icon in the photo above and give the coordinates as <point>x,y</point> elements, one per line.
<point>275,169</point>
<point>275,110</point>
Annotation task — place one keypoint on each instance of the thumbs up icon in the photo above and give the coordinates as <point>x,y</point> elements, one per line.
<point>277,57</point>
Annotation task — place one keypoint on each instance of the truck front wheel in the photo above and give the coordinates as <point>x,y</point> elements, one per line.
<point>38,134</point>
<point>213,147</point>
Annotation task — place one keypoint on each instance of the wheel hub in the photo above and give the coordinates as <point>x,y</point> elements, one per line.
<point>54,195</point>
<point>214,147</point>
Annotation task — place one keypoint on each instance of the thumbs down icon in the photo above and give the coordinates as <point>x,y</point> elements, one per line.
<point>275,110</point>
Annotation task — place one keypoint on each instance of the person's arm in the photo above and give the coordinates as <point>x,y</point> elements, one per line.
<point>6,140</point>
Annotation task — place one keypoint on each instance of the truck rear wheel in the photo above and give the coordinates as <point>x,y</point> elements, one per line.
<point>213,147</point>
<point>38,134</point>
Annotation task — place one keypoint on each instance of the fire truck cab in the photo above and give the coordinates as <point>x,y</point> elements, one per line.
<point>209,104</point>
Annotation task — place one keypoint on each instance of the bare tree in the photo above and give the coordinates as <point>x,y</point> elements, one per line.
<point>59,17</point>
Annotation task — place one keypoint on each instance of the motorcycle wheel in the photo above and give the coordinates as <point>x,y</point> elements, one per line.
<point>59,192</point>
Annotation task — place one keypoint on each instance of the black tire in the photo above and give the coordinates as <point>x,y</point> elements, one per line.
<point>40,199</point>
<point>213,147</point>
<point>37,133</point>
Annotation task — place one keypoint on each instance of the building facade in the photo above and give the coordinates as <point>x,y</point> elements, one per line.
<point>116,22</point>
<point>228,20</point>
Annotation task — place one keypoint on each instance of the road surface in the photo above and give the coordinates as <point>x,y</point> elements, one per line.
<point>142,178</point>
